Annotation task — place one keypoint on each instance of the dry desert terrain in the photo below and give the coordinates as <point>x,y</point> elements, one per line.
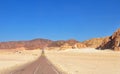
<point>86,61</point>
<point>16,59</point>
<point>70,61</point>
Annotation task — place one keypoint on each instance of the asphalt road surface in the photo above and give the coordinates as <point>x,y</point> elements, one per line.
<point>40,66</point>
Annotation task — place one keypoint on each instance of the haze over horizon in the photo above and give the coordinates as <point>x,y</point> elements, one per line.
<point>58,19</point>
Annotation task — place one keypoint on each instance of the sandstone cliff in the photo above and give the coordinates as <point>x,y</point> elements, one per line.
<point>94,43</point>
<point>112,42</point>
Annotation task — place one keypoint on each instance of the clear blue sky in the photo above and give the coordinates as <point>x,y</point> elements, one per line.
<point>58,19</point>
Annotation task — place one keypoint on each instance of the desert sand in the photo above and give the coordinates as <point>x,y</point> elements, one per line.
<point>11,60</point>
<point>70,61</point>
<point>86,61</point>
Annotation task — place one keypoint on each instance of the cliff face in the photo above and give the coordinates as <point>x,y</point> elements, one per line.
<point>112,42</point>
<point>94,43</point>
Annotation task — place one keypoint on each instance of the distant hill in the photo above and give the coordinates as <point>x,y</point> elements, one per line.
<point>35,43</point>
<point>31,44</point>
<point>62,42</point>
<point>110,42</point>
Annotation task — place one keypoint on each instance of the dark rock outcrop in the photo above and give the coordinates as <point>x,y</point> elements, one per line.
<point>112,42</point>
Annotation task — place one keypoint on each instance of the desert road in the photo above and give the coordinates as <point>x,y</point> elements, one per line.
<point>40,66</point>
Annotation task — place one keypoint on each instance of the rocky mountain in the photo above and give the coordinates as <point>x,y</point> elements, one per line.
<point>68,44</point>
<point>36,43</point>
<point>112,42</point>
<point>59,43</point>
<point>32,44</point>
<point>94,43</point>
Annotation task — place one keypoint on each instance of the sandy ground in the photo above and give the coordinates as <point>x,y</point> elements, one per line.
<point>13,59</point>
<point>71,61</point>
<point>86,61</point>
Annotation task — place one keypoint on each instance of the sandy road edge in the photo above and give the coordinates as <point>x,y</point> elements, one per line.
<point>55,66</point>
<point>21,67</point>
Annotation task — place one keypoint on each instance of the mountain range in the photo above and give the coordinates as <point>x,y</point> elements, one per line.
<point>110,42</point>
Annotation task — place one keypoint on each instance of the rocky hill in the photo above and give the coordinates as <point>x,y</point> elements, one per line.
<point>94,43</point>
<point>62,42</point>
<point>68,44</point>
<point>112,42</point>
<point>31,44</point>
<point>36,43</point>
<point>57,43</point>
